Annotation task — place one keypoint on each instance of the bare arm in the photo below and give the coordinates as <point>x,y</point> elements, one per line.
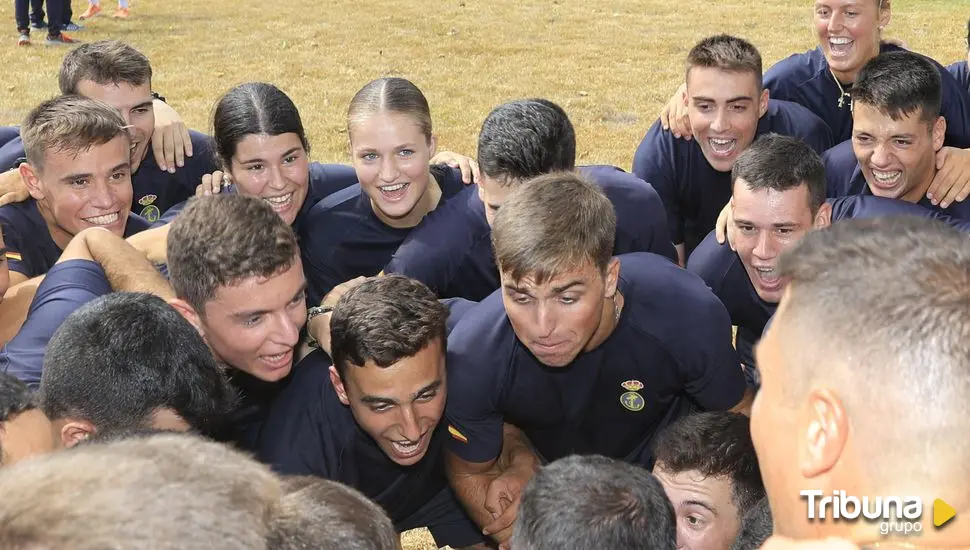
<point>491,491</point>
<point>126,268</point>
<point>16,303</point>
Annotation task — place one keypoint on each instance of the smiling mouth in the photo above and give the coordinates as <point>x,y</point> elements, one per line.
<point>886,179</point>
<point>280,202</point>
<point>768,277</point>
<point>407,448</point>
<point>722,147</point>
<point>394,192</point>
<point>104,219</point>
<point>840,46</point>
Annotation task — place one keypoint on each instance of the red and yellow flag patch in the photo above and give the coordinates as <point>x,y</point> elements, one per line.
<point>13,256</point>
<point>456,434</point>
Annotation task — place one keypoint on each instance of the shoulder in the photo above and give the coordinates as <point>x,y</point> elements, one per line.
<point>449,180</point>
<point>795,70</point>
<point>664,292</point>
<point>136,224</point>
<point>712,261</point>
<point>327,179</point>
<point>788,118</point>
<point>482,327</point>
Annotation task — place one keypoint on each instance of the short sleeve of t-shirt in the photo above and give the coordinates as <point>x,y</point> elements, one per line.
<point>66,287</point>
<point>479,355</point>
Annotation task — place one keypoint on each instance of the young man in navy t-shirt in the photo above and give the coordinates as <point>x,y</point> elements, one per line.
<point>778,197</point>
<point>897,132</point>
<point>121,76</point>
<point>451,251</point>
<point>728,108</point>
<point>578,352</point>
<point>78,173</point>
<point>371,418</point>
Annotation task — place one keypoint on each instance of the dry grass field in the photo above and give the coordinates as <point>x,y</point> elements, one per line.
<point>609,63</point>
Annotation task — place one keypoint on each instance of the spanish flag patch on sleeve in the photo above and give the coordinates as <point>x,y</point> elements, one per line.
<point>456,434</point>
<point>13,256</point>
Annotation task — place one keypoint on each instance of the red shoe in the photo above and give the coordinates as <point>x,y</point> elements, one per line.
<point>122,13</point>
<point>24,39</point>
<point>93,9</point>
<point>60,39</point>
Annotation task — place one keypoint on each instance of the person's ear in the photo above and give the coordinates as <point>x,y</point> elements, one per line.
<point>825,435</point>
<point>338,386</point>
<point>612,277</point>
<point>823,218</point>
<point>76,431</point>
<point>189,313</point>
<point>939,133</point>
<point>31,178</point>
<point>763,102</point>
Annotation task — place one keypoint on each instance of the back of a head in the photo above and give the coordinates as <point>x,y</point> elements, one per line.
<point>103,62</point>
<point>715,444</point>
<point>393,96</point>
<point>253,108</point>
<point>781,163</point>
<point>163,492</point>
<point>884,304</point>
<point>523,139</point>
<point>726,53</point>
<point>552,225</point>
<point>220,239</point>
<point>594,503</point>
<point>384,320</point>
<point>15,398</point>
<point>327,515</point>
<point>900,84</point>
<point>121,357</point>
<point>756,527</point>
<point>69,124</point>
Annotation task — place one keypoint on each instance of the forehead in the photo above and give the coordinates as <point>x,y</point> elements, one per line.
<point>256,293</point>
<point>871,119</point>
<point>586,274</point>
<point>403,377</point>
<point>714,83</point>
<point>694,485</point>
<point>262,145</point>
<point>755,202</point>
<point>384,126</point>
<point>102,155</point>
<point>120,95</point>
<point>845,3</point>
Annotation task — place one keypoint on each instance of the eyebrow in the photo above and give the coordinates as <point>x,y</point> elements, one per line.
<point>147,103</point>
<point>375,400</point>
<point>77,176</point>
<point>732,100</point>
<point>284,155</point>
<point>254,312</point>
<point>704,505</point>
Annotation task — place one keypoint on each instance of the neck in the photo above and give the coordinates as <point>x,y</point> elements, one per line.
<point>847,78</point>
<point>426,203</point>
<point>917,193</point>
<point>60,236</point>
<point>609,320</point>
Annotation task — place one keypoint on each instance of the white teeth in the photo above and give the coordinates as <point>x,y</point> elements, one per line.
<point>392,188</point>
<point>280,200</point>
<point>722,145</point>
<point>839,41</point>
<point>106,219</point>
<point>276,357</point>
<point>887,177</point>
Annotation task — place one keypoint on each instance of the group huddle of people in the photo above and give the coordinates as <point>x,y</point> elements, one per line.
<point>215,342</point>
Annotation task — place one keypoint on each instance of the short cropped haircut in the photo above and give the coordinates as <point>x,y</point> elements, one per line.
<point>327,515</point>
<point>756,527</point>
<point>726,53</point>
<point>254,108</point>
<point>553,224</point>
<point>781,163</point>
<point>883,304</point>
<point>123,356</point>
<point>715,444</point>
<point>900,84</point>
<point>594,503</point>
<point>69,124</point>
<point>523,139</point>
<point>221,239</point>
<point>15,398</point>
<point>390,95</point>
<point>384,320</point>
<point>167,492</point>
<point>103,62</point>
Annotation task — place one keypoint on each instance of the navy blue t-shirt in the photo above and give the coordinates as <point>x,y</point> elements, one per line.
<point>451,251</point>
<point>805,79</point>
<point>844,178</point>
<point>722,270</point>
<point>154,190</point>
<point>30,248</point>
<point>8,134</point>
<point>343,238</point>
<point>961,73</point>
<point>693,192</point>
<point>67,286</point>
<point>670,351</point>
